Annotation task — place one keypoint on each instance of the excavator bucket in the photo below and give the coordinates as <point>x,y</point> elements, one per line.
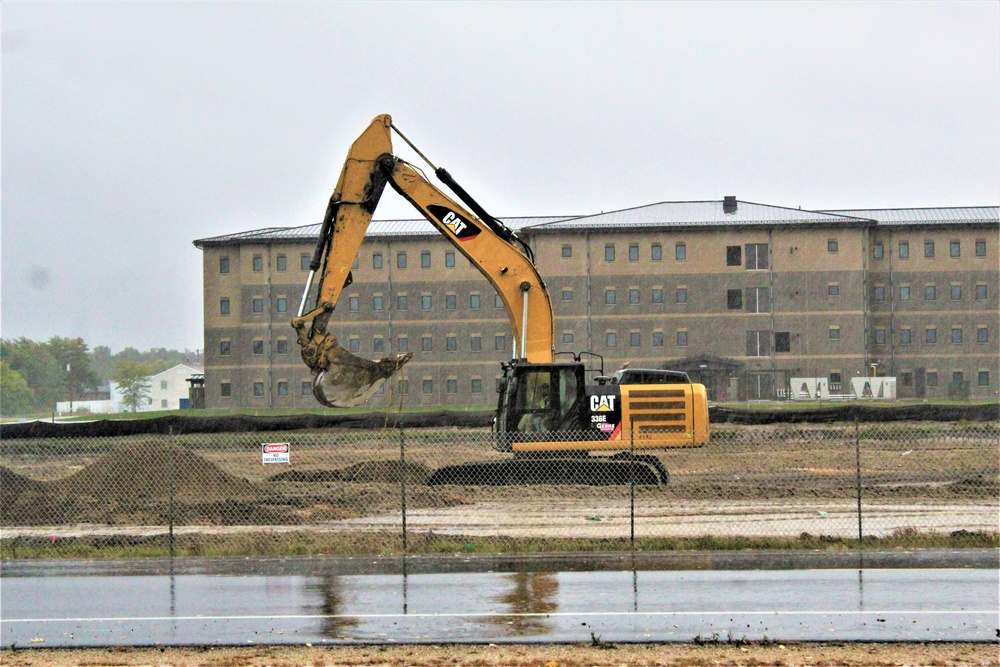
<point>350,380</point>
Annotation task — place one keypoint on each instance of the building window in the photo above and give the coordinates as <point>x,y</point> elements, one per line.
<point>451,343</point>
<point>378,302</point>
<point>610,296</point>
<point>354,304</point>
<point>223,306</point>
<point>734,255</point>
<point>378,344</point>
<point>905,336</point>
<point>957,377</point>
<point>633,252</point>
<point>497,301</point>
<point>928,248</point>
<point>734,299</point>
<point>403,387</point>
<point>401,259</point>
<point>403,344</point>
<point>932,378</point>
<point>680,252</point>
<point>682,295</point>
<point>609,252</point>
<point>981,291</point>
<point>956,292</point>
<point>449,260</point>
<point>567,295</point>
<point>904,293</point>
<point>377,261</point>
<point>657,339</point>
<point>224,264</point>
<point>611,339</point>
<point>426,344</point>
<point>682,338</point>
<point>354,263</point>
<point>984,378</point>
<point>354,345</point>
<point>657,295</point>
<point>833,289</point>
<point>500,342</point>
<point>656,252</point>
<point>225,389</point>
<point>956,334</point>
<point>567,250</point>
<point>258,389</point>
<point>879,293</point>
<point>633,295</point>
<point>834,333</point>
<point>450,301</point>
<point>476,343</point>
<point>477,386</point>
<point>782,341</point>
<point>282,388</point>
<point>878,251</point>
<point>427,386</point>
<point>904,249</point>
<point>758,343</point>
<point>258,306</point>
<point>281,304</point>
<point>425,302</point>
<point>756,256</point>
<point>758,299</point>
<point>401,302</point>
<point>163,384</point>
<point>425,259</point>
<point>474,301</point>
<point>225,348</point>
<point>281,263</point>
<point>281,346</point>
<point>451,386</point>
<point>306,388</point>
<point>930,335</point>
<point>982,335</point>
<point>880,336</point>
<point>930,292</point>
<point>635,339</point>
<point>955,248</point>
<point>258,263</point>
<point>258,347</point>
<point>981,248</point>
<point>304,262</point>
<point>567,338</point>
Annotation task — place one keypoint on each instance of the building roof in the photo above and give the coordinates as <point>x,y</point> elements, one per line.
<point>928,216</point>
<point>701,214</point>
<point>407,227</point>
<point>192,370</point>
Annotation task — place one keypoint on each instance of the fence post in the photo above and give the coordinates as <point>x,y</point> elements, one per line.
<point>402,485</point>
<point>857,467</point>
<point>170,489</point>
<point>631,475</point>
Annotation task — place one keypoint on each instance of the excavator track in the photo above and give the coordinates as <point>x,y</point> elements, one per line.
<point>617,470</point>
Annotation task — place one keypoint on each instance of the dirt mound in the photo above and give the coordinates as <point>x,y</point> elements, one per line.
<point>367,471</point>
<point>12,484</point>
<point>144,470</point>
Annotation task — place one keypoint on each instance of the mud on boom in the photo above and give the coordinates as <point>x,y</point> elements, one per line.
<point>548,415</point>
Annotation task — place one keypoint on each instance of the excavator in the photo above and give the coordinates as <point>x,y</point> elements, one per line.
<point>559,427</point>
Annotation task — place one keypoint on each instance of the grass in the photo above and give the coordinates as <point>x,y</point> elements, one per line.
<point>804,406</point>
<point>319,544</point>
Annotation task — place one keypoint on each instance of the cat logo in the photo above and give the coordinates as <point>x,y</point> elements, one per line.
<point>602,403</point>
<point>462,228</point>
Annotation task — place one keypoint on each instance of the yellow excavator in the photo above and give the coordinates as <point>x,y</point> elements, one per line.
<point>547,414</point>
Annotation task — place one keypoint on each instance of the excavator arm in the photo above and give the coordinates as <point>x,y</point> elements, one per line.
<point>341,379</point>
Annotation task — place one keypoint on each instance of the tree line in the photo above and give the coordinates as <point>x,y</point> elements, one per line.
<point>34,375</point>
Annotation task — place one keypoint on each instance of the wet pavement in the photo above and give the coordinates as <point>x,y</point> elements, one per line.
<point>881,596</point>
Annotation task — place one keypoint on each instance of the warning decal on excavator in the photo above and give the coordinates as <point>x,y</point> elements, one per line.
<point>462,228</point>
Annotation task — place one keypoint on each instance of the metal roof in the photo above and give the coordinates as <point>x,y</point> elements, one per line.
<point>928,216</point>
<point>408,227</point>
<point>700,214</point>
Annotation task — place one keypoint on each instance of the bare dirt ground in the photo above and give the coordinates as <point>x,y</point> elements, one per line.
<point>541,655</point>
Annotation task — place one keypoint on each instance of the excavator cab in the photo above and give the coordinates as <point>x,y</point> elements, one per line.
<point>538,400</point>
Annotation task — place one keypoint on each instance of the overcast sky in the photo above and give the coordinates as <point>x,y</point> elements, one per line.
<point>131,129</point>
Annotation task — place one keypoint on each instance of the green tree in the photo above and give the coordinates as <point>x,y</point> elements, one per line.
<point>74,360</point>
<point>35,363</point>
<point>133,383</point>
<point>15,394</point>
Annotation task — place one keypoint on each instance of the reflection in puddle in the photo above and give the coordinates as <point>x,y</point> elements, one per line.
<point>331,589</point>
<point>531,593</point>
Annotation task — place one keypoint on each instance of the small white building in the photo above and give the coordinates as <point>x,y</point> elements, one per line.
<point>166,389</point>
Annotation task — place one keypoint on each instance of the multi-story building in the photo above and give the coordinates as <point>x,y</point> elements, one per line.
<point>741,295</point>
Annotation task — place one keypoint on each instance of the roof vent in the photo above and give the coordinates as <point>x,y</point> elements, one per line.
<point>729,205</point>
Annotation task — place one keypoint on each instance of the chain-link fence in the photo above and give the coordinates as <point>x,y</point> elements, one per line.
<point>394,490</point>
